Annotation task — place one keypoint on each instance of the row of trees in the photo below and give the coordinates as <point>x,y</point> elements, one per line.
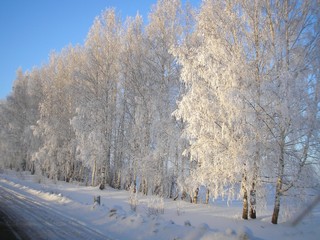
<point>226,98</point>
<point>101,113</point>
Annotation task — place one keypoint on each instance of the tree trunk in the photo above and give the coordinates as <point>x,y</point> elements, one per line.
<point>32,168</point>
<point>171,192</point>
<point>117,179</point>
<point>183,195</point>
<point>253,201</point>
<point>134,185</point>
<point>252,213</point>
<point>107,169</point>
<point>94,173</point>
<point>145,187</point>
<point>103,178</point>
<point>253,198</point>
<point>276,209</point>
<point>245,205</point>
<point>207,196</point>
<point>245,197</point>
<point>195,197</point>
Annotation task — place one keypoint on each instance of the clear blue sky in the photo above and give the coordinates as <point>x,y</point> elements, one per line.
<point>31,29</point>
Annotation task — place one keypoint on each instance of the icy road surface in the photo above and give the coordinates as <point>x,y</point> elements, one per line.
<point>40,221</point>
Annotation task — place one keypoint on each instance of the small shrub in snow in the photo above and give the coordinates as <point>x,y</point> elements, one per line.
<point>95,205</point>
<point>204,226</point>
<point>187,223</point>
<point>243,236</point>
<point>112,212</point>
<point>38,179</point>
<point>155,206</point>
<point>133,198</point>
<point>179,208</point>
<point>230,231</point>
<point>244,233</point>
<point>117,212</point>
<point>101,186</point>
<point>20,175</point>
<point>96,200</point>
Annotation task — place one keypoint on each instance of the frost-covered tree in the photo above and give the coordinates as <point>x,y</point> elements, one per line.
<point>163,31</point>
<point>15,123</point>
<point>150,89</point>
<point>136,100</point>
<point>292,105</point>
<point>18,114</point>
<point>213,107</point>
<point>98,82</point>
<point>6,160</point>
<point>57,153</point>
<point>35,93</point>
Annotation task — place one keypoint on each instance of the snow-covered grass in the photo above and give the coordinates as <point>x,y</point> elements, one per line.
<point>155,218</point>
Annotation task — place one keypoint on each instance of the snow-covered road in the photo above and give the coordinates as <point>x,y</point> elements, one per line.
<point>38,220</point>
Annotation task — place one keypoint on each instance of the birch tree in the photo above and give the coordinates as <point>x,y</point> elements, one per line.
<point>98,80</point>
<point>216,80</point>
<point>163,31</point>
<point>292,110</point>
<point>137,100</point>
<point>18,114</point>
<point>15,122</point>
<point>57,153</point>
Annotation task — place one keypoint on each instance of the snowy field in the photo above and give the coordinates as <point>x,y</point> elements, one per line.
<point>179,220</point>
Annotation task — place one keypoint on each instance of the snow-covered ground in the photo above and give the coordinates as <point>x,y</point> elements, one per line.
<point>114,218</point>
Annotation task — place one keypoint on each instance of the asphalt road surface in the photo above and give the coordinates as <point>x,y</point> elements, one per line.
<point>8,231</point>
<point>25,217</point>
